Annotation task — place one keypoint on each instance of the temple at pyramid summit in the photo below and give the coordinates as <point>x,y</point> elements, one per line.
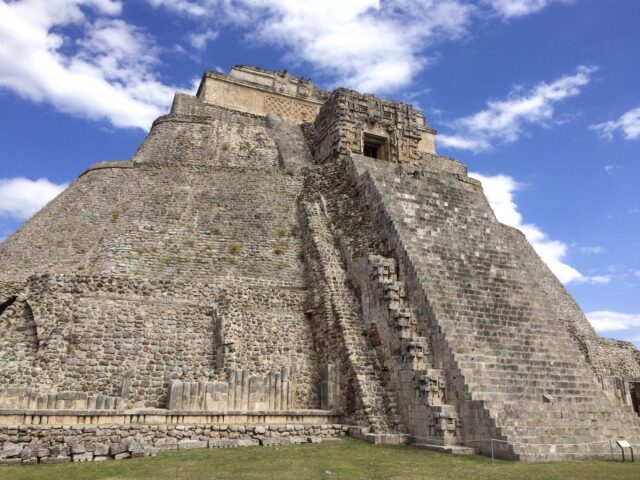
<point>278,264</point>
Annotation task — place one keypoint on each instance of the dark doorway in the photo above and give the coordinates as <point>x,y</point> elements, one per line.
<point>370,151</point>
<point>375,147</point>
<point>634,389</point>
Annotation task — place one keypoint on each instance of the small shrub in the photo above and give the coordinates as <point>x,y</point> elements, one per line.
<point>278,251</point>
<point>289,172</point>
<point>215,231</point>
<point>74,341</point>
<point>139,249</point>
<point>189,242</point>
<point>234,248</point>
<point>294,231</point>
<point>226,146</point>
<point>281,233</point>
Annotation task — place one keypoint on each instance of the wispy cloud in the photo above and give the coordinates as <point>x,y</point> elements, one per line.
<point>107,73</point>
<point>500,191</point>
<point>21,197</point>
<point>591,250</point>
<point>371,45</point>
<point>628,125</point>
<point>503,121</point>
<point>81,57</point>
<point>201,39</point>
<point>607,321</point>
<point>520,8</point>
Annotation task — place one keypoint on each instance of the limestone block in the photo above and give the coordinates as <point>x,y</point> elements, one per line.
<point>117,448</point>
<point>186,444</point>
<point>54,460</point>
<point>100,449</point>
<point>298,439</point>
<point>59,451</point>
<point>10,450</point>
<point>273,441</point>
<point>174,401</point>
<point>83,457</point>
<point>78,447</point>
<point>247,442</point>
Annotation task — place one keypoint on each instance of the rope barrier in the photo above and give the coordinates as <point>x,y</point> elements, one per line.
<point>495,440</point>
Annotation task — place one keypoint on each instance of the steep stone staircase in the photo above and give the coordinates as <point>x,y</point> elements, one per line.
<point>514,355</point>
<point>423,406</point>
<point>378,405</point>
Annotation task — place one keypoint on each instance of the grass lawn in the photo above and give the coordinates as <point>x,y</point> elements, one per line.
<point>347,459</point>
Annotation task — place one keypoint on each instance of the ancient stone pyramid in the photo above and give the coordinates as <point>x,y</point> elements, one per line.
<point>287,259</point>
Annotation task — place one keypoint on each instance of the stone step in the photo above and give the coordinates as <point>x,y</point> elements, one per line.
<point>454,449</point>
<point>530,378</point>
<point>523,363</point>
<point>499,395</point>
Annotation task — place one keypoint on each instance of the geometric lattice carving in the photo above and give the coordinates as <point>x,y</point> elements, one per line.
<point>284,107</point>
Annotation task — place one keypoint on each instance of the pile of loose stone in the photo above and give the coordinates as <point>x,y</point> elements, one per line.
<point>48,444</point>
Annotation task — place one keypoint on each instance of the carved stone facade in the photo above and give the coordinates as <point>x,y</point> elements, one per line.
<point>287,261</point>
<point>351,122</point>
<point>262,92</point>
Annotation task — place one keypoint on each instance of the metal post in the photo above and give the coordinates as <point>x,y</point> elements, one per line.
<point>611,447</point>
<point>492,459</point>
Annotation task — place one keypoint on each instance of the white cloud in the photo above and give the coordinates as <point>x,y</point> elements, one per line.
<point>371,45</point>
<point>503,121</point>
<point>628,125</point>
<point>20,197</point>
<point>592,250</point>
<point>606,321</point>
<point>110,71</point>
<point>596,279</point>
<point>106,73</point>
<point>200,40</point>
<point>519,8</point>
<point>500,191</point>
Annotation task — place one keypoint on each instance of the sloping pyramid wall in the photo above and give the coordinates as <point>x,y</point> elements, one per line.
<point>492,328</point>
<point>183,263</point>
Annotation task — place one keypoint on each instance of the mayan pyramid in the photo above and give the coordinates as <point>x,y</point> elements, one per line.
<point>278,262</point>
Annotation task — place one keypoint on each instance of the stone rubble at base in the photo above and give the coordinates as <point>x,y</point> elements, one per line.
<point>58,444</point>
<point>250,267</point>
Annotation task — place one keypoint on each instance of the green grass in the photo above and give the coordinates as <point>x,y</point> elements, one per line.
<point>347,459</point>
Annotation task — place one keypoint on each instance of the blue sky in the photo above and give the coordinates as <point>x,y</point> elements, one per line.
<point>540,98</point>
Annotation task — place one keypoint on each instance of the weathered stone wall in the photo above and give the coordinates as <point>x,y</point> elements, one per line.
<point>220,269</point>
<point>261,92</point>
<point>183,264</point>
<point>502,348</point>
<point>51,444</point>
<point>606,356</point>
